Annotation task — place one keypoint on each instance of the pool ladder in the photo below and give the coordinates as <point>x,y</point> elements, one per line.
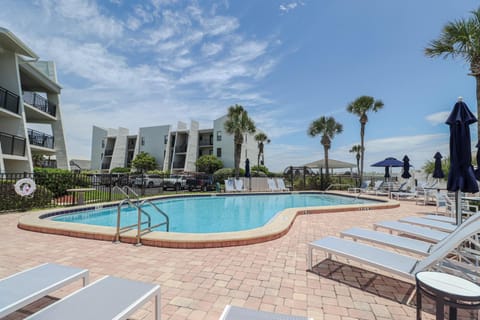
<point>139,205</point>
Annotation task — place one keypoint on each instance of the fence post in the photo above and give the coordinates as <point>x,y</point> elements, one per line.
<point>110,188</point>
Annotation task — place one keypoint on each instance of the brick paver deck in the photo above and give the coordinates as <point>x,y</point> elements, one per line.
<point>198,283</point>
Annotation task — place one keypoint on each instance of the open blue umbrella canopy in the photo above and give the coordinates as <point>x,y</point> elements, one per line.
<point>437,171</point>
<point>388,162</point>
<point>461,176</point>
<point>247,168</point>
<point>406,167</point>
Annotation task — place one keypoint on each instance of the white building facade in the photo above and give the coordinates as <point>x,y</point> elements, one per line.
<point>175,150</point>
<point>29,98</point>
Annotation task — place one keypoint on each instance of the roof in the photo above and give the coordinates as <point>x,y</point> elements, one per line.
<point>332,164</point>
<point>10,42</point>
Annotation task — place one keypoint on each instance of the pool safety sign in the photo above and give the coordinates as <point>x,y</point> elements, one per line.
<point>25,187</point>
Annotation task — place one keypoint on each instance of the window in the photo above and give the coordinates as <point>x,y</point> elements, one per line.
<point>103,144</point>
<point>143,141</point>
<point>165,139</point>
<point>219,152</point>
<point>101,156</point>
<point>219,135</point>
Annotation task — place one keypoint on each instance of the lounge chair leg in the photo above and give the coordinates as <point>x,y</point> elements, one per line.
<point>157,307</point>
<point>309,258</point>
<point>86,280</point>
<point>411,296</point>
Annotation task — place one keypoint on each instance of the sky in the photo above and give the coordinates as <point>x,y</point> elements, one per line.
<point>133,64</point>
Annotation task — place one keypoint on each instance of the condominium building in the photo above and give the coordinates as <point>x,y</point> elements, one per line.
<point>175,150</point>
<point>29,98</point>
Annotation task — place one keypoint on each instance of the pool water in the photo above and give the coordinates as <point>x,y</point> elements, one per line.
<point>210,214</point>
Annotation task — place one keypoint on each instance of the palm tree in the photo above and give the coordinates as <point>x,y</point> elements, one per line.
<point>238,123</point>
<point>261,138</point>
<point>360,107</point>
<point>357,150</point>
<point>461,38</point>
<point>328,128</point>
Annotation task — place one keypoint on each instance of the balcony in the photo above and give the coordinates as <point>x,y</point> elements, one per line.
<point>40,103</point>
<point>108,152</point>
<point>9,100</point>
<point>41,139</point>
<point>12,145</point>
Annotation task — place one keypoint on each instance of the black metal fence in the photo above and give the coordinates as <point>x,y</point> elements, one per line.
<point>39,102</point>
<point>12,144</point>
<point>70,188</point>
<point>9,100</point>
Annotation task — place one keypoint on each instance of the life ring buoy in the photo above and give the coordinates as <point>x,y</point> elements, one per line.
<point>25,187</point>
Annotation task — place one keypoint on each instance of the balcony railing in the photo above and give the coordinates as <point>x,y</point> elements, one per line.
<point>9,100</point>
<point>39,102</point>
<point>41,139</point>
<point>11,144</point>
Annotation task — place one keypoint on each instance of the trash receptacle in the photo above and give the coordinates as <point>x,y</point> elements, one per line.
<point>217,187</point>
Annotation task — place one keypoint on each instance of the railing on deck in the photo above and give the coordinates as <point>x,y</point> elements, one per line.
<point>11,144</point>
<point>9,100</point>
<point>41,139</point>
<point>39,102</point>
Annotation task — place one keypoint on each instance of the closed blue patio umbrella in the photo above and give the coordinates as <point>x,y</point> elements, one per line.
<point>406,167</point>
<point>461,177</point>
<point>247,168</point>
<point>437,171</point>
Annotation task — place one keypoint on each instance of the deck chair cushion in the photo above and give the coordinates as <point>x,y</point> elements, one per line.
<point>105,299</point>
<point>23,288</point>
<point>237,313</point>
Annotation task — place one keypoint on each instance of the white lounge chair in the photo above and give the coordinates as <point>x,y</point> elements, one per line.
<point>412,230</point>
<point>405,243</point>
<point>239,185</point>
<point>377,188</point>
<point>405,194</point>
<point>238,313</point>
<point>394,241</point>
<point>23,288</point>
<point>281,185</point>
<point>434,224</point>
<point>272,186</point>
<point>363,187</point>
<point>229,185</point>
<point>399,264</point>
<point>106,299</point>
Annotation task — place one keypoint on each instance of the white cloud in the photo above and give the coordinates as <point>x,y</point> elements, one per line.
<point>438,117</point>
<point>286,7</point>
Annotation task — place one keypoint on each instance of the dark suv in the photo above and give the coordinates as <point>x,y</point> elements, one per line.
<point>202,182</point>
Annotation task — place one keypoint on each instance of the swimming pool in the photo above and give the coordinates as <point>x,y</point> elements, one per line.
<point>270,226</point>
<point>211,214</point>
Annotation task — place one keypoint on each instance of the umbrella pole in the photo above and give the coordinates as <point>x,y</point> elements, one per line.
<point>458,207</point>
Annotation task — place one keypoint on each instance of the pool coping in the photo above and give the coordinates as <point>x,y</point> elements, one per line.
<point>276,228</point>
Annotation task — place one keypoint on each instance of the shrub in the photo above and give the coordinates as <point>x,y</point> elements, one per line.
<point>59,180</point>
<point>10,200</point>
<point>225,173</point>
<point>120,170</point>
<point>208,164</point>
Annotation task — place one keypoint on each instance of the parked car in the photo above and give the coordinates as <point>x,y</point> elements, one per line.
<point>149,180</point>
<point>200,182</point>
<point>176,182</point>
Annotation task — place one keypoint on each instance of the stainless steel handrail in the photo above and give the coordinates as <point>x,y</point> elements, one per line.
<point>141,231</point>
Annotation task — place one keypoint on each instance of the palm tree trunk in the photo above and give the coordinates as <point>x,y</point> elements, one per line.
<point>362,137</point>
<point>325,149</point>
<point>237,156</point>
